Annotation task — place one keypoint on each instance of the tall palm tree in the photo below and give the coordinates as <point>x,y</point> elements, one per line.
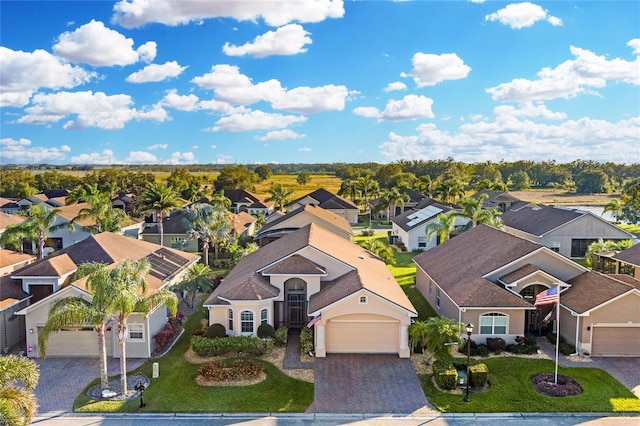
<point>208,225</point>
<point>81,193</point>
<point>437,335</point>
<point>197,280</point>
<point>423,185</point>
<point>449,189</point>
<point>348,188</point>
<point>14,236</point>
<point>472,209</point>
<point>368,188</point>
<point>219,200</point>
<point>38,222</point>
<point>615,207</point>
<point>392,198</point>
<point>126,295</point>
<point>443,226</point>
<point>104,216</point>
<point>160,199</point>
<point>381,250</point>
<point>18,379</point>
<point>279,195</point>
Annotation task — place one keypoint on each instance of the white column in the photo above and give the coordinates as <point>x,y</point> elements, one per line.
<point>404,351</point>
<point>321,350</point>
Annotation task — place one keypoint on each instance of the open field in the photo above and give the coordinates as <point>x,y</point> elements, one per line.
<point>564,198</point>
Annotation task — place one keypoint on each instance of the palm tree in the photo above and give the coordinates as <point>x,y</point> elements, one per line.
<point>104,216</point>
<point>219,200</point>
<point>423,185</point>
<point>368,188</point>
<point>125,295</point>
<point>18,379</point>
<point>160,199</point>
<point>472,209</point>
<point>615,207</point>
<point>437,335</point>
<point>392,198</point>
<point>349,189</point>
<point>38,222</point>
<point>207,224</point>
<point>197,280</point>
<point>81,194</point>
<point>279,195</point>
<point>442,227</point>
<point>449,189</point>
<point>381,250</point>
<point>14,237</point>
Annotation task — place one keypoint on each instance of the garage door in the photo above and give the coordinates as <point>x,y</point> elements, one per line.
<point>77,343</point>
<point>616,341</point>
<point>361,336</point>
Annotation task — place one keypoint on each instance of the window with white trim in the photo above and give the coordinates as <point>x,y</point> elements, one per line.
<point>230,319</point>
<point>493,323</point>
<point>555,246</point>
<point>264,316</point>
<point>135,332</point>
<point>246,322</point>
<point>422,242</point>
<point>363,299</point>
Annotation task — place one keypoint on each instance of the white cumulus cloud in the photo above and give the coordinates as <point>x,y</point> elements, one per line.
<point>156,72</point>
<point>180,102</point>
<point>20,151</point>
<point>181,158</point>
<point>308,100</point>
<point>158,146</point>
<point>396,85</point>
<point>586,72</point>
<point>105,157</point>
<point>280,135</point>
<point>410,107</point>
<point>140,157</point>
<point>430,69</point>
<point>521,15</point>
<point>23,73</point>
<point>288,40</point>
<point>97,45</point>
<point>136,13</point>
<point>255,120</point>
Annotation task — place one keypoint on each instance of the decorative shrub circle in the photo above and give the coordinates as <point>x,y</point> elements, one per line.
<point>566,386</point>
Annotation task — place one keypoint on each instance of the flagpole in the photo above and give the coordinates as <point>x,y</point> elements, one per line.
<point>557,334</point>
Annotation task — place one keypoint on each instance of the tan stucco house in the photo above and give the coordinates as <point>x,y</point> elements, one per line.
<point>313,276</point>
<point>490,278</point>
<point>52,278</point>
<point>565,230</point>
<point>328,201</point>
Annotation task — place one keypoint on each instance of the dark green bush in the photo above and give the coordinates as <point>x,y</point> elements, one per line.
<point>445,374</point>
<point>216,330</point>
<point>281,335</point>
<point>306,340</point>
<point>462,347</point>
<point>266,330</point>
<point>230,346</point>
<point>240,369</point>
<point>496,344</point>
<point>478,375</point>
<point>566,348</point>
<point>482,350</point>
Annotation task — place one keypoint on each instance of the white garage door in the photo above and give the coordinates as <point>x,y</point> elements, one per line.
<point>358,336</point>
<point>616,341</point>
<point>76,343</point>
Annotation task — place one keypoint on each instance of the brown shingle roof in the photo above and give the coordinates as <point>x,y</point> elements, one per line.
<point>326,216</point>
<point>459,265</point>
<point>592,289</point>
<point>53,266</point>
<point>328,200</point>
<point>295,264</point>
<point>526,270</point>
<point>630,255</point>
<point>10,291</point>
<point>10,257</point>
<point>9,219</point>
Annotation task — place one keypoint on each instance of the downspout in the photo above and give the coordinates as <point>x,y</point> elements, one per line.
<point>577,329</point>
<point>148,332</point>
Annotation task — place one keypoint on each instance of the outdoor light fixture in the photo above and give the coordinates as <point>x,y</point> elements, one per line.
<point>31,331</point>
<point>469,328</point>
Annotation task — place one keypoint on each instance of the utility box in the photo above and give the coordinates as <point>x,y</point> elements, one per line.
<point>462,378</point>
<point>156,370</point>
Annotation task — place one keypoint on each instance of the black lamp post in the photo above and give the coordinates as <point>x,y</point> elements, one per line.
<point>141,387</point>
<point>469,328</point>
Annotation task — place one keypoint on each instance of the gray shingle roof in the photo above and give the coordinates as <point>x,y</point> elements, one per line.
<point>405,220</point>
<point>539,221</point>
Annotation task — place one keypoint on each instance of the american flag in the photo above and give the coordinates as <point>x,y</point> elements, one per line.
<point>547,297</point>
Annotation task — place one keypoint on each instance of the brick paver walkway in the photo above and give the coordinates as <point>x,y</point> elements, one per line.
<point>62,380</point>
<point>292,354</point>
<point>354,383</point>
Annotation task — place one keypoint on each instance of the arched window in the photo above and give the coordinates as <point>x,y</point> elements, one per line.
<point>493,323</point>
<point>246,322</point>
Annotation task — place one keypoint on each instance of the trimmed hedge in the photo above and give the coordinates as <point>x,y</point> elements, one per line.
<point>234,345</point>
<point>216,330</point>
<point>265,330</point>
<point>306,341</point>
<point>240,369</point>
<point>478,375</point>
<point>445,374</point>
<point>281,335</point>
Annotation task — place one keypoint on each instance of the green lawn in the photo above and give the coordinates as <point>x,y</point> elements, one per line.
<point>511,390</point>
<point>176,390</point>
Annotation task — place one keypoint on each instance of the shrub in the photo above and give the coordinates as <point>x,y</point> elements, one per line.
<point>478,375</point>
<point>239,369</point>
<point>216,330</point>
<point>281,335</point>
<point>445,374</point>
<point>235,345</point>
<point>525,345</point>
<point>482,350</point>
<point>306,340</point>
<point>566,349</point>
<point>166,335</point>
<point>462,348</point>
<point>266,330</point>
<point>200,332</point>
<point>368,233</point>
<point>496,344</point>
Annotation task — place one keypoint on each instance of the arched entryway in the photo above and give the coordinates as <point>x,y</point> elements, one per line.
<point>538,321</point>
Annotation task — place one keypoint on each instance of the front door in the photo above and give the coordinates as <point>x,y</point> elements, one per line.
<point>295,298</point>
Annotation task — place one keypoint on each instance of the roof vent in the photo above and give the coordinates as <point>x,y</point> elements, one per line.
<point>361,256</point>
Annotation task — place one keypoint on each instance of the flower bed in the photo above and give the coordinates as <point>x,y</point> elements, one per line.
<point>566,386</point>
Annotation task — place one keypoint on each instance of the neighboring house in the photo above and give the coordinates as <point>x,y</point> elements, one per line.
<point>490,278</point>
<point>242,200</point>
<point>12,300</point>
<point>9,220</point>
<point>52,278</point>
<point>313,277</point>
<point>328,201</point>
<point>175,231</point>
<point>619,262</point>
<point>9,206</point>
<point>410,227</point>
<point>285,224</point>
<point>565,230</point>
<point>502,201</point>
<point>12,260</point>
<point>123,202</point>
<point>415,198</point>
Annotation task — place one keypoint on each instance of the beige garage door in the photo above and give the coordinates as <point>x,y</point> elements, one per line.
<point>358,336</point>
<point>616,341</point>
<point>76,343</point>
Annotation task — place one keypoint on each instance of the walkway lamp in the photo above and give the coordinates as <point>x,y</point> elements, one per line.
<point>469,328</point>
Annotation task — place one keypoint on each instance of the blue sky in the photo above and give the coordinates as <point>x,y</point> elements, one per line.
<point>257,82</point>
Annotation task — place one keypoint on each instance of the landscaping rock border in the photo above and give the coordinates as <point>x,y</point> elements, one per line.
<point>133,380</point>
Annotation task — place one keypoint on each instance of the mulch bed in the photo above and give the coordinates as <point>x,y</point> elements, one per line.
<point>545,384</point>
<point>95,392</point>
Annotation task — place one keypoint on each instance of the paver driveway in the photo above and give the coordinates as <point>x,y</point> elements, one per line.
<point>62,380</point>
<point>354,383</point>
